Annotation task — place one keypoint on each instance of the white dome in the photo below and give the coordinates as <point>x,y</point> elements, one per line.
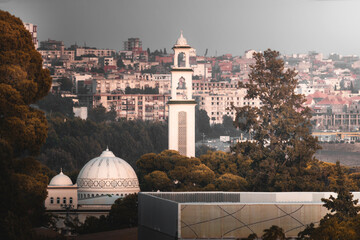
<point>61,180</point>
<point>107,174</point>
<point>181,40</point>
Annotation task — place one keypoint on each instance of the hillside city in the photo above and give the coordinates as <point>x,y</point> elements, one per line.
<point>136,82</point>
<point>174,143</point>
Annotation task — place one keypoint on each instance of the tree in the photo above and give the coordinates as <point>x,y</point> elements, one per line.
<point>230,182</point>
<point>124,212</point>
<point>343,221</point>
<point>169,170</point>
<point>99,114</point>
<point>280,127</point>
<point>202,123</point>
<point>23,129</point>
<point>343,206</point>
<point>55,103</point>
<point>65,84</point>
<point>120,63</point>
<point>228,122</point>
<point>158,180</point>
<point>274,233</point>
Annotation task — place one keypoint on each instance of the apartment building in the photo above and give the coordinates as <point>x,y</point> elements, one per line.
<point>32,28</point>
<point>219,104</point>
<point>80,51</point>
<point>146,107</point>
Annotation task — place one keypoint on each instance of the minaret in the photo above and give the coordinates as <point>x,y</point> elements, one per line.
<point>182,105</point>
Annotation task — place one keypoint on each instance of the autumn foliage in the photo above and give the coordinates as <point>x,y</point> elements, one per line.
<point>23,129</point>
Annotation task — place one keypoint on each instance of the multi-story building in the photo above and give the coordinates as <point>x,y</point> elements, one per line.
<point>33,31</point>
<point>52,45</point>
<point>133,50</point>
<point>132,44</point>
<point>220,104</point>
<point>121,82</point>
<point>146,107</point>
<point>81,51</point>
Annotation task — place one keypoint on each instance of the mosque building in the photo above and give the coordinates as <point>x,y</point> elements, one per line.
<point>99,184</point>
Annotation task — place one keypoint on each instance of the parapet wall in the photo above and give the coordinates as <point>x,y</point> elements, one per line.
<point>230,215</point>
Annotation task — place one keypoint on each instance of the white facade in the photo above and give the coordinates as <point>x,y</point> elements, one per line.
<point>81,112</point>
<point>100,182</point>
<point>182,104</point>
<point>33,31</point>
<point>61,193</point>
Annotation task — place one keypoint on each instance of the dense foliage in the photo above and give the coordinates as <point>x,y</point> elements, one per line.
<point>342,221</point>
<point>282,145</point>
<point>72,142</point>
<point>123,214</point>
<point>203,129</point>
<point>55,103</point>
<point>23,129</point>
<point>170,171</point>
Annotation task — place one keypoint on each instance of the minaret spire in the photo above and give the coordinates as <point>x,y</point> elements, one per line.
<point>182,105</point>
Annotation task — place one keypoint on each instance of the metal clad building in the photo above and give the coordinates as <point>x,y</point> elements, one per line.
<point>229,215</point>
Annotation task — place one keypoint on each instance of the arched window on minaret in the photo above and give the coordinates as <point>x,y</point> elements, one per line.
<point>181,60</point>
<point>181,83</point>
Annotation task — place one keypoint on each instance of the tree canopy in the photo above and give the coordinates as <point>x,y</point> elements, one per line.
<point>23,129</point>
<point>282,144</point>
<point>342,221</point>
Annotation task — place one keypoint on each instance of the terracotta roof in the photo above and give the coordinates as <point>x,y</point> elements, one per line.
<point>318,94</point>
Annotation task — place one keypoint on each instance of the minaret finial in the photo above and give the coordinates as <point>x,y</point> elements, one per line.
<point>61,170</point>
<point>107,148</point>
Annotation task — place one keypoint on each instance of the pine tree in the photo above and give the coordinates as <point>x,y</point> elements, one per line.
<point>343,206</point>
<point>280,127</point>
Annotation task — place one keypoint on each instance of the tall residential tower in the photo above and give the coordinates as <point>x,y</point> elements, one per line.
<point>182,105</point>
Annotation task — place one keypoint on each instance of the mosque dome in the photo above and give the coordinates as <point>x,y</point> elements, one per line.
<point>181,40</point>
<point>60,180</point>
<point>107,175</point>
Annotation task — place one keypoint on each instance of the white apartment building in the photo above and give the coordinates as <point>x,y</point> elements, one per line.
<point>33,31</point>
<point>116,85</point>
<point>97,52</point>
<point>146,107</point>
<point>76,78</point>
<point>219,104</point>
<point>107,61</point>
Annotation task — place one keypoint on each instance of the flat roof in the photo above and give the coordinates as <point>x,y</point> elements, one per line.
<point>245,197</point>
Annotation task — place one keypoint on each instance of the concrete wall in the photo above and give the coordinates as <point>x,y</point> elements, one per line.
<point>159,215</point>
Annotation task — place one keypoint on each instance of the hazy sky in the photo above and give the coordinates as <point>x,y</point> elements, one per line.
<point>222,26</point>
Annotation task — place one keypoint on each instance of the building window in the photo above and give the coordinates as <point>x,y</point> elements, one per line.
<point>58,200</point>
<point>64,200</point>
<point>51,200</point>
